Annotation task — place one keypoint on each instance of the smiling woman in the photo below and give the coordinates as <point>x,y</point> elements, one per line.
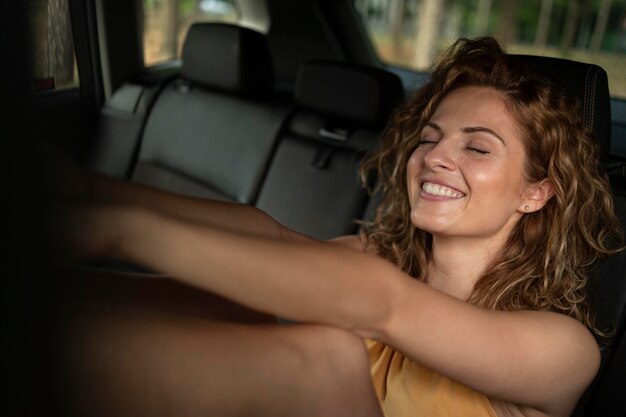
<point>500,143</point>
<point>466,307</point>
<point>540,124</point>
<point>460,150</point>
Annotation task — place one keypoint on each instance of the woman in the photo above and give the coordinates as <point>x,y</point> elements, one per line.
<point>469,284</point>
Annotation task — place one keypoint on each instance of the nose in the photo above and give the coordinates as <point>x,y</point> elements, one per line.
<point>441,156</point>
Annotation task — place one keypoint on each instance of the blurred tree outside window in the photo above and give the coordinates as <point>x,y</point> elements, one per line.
<point>410,33</point>
<point>53,59</point>
<point>166,22</point>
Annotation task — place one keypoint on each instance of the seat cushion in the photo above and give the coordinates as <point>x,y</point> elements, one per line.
<point>221,141</point>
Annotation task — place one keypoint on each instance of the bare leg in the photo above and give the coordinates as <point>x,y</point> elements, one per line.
<point>124,360</point>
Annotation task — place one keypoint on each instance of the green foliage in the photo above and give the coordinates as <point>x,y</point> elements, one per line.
<point>150,4</point>
<point>186,7</point>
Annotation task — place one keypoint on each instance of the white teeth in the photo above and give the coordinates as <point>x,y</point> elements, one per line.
<point>440,190</point>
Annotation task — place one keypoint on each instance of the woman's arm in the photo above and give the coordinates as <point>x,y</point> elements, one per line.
<point>232,216</point>
<point>65,180</point>
<point>263,272</point>
<point>539,359</point>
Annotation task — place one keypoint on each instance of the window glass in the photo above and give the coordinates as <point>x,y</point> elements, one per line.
<point>166,23</point>
<point>410,33</point>
<point>53,59</point>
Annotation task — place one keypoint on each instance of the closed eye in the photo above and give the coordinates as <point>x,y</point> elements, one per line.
<point>423,142</point>
<point>478,150</point>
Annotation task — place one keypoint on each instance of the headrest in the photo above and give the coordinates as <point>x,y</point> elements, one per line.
<point>588,83</point>
<point>228,57</point>
<point>348,91</point>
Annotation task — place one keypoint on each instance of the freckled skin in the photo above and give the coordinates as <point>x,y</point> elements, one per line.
<point>472,147</point>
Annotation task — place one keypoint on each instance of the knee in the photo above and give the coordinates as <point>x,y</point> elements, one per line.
<point>335,350</point>
<point>343,344</point>
<point>338,373</point>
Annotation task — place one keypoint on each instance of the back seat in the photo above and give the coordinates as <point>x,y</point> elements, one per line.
<point>312,185</point>
<point>219,132</point>
<point>211,132</point>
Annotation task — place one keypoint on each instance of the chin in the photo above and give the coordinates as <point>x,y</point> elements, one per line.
<point>429,221</point>
<point>429,226</point>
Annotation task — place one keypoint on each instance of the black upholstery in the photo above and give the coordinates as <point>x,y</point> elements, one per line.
<point>120,127</point>
<point>348,91</point>
<point>608,399</point>
<point>227,57</point>
<point>588,83</point>
<point>220,142</point>
<point>312,185</point>
<point>214,142</point>
<point>607,394</point>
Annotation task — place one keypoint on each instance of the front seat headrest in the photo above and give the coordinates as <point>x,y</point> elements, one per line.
<point>229,58</point>
<point>354,92</point>
<point>588,83</point>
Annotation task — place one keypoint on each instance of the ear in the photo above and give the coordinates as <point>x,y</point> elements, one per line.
<point>536,196</point>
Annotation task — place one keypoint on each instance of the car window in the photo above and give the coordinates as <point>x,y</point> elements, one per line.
<point>166,22</point>
<point>53,55</point>
<point>409,33</point>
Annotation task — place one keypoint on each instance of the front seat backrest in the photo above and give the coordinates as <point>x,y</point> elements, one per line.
<point>607,291</point>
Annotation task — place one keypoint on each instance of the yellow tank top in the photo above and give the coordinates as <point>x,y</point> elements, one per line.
<point>407,389</point>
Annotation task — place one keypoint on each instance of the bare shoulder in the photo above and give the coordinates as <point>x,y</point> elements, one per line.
<point>350,241</point>
<point>570,332</point>
<point>568,354</point>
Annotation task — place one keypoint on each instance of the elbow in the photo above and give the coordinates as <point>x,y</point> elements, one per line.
<point>386,312</point>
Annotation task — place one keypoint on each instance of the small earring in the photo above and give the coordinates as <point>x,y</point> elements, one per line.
<point>526,208</point>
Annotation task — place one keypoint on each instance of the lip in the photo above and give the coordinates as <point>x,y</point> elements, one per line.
<point>453,194</point>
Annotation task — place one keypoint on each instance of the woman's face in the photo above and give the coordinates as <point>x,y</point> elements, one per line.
<point>465,178</point>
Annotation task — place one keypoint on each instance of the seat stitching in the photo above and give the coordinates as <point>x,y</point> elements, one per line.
<point>586,97</point>
<point>590,93</point>
<point>593,97</point>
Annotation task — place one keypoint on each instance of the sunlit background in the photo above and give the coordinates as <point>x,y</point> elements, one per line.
<point>407,33</point>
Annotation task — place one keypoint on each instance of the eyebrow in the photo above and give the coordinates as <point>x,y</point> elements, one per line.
<point>483,129</point>
<point>472,129</point>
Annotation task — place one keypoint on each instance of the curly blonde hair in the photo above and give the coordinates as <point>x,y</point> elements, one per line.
<point>546,260</point>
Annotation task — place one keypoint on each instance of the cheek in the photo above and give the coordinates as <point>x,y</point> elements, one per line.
<point>502,184</point>
<point>413,169</point>
<point>414,165</point>
<point>489,180</point>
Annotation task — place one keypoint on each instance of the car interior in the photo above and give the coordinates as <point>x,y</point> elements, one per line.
<point>279,116</point>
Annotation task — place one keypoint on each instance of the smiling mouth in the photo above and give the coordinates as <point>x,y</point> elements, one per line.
<point>440,190</point>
